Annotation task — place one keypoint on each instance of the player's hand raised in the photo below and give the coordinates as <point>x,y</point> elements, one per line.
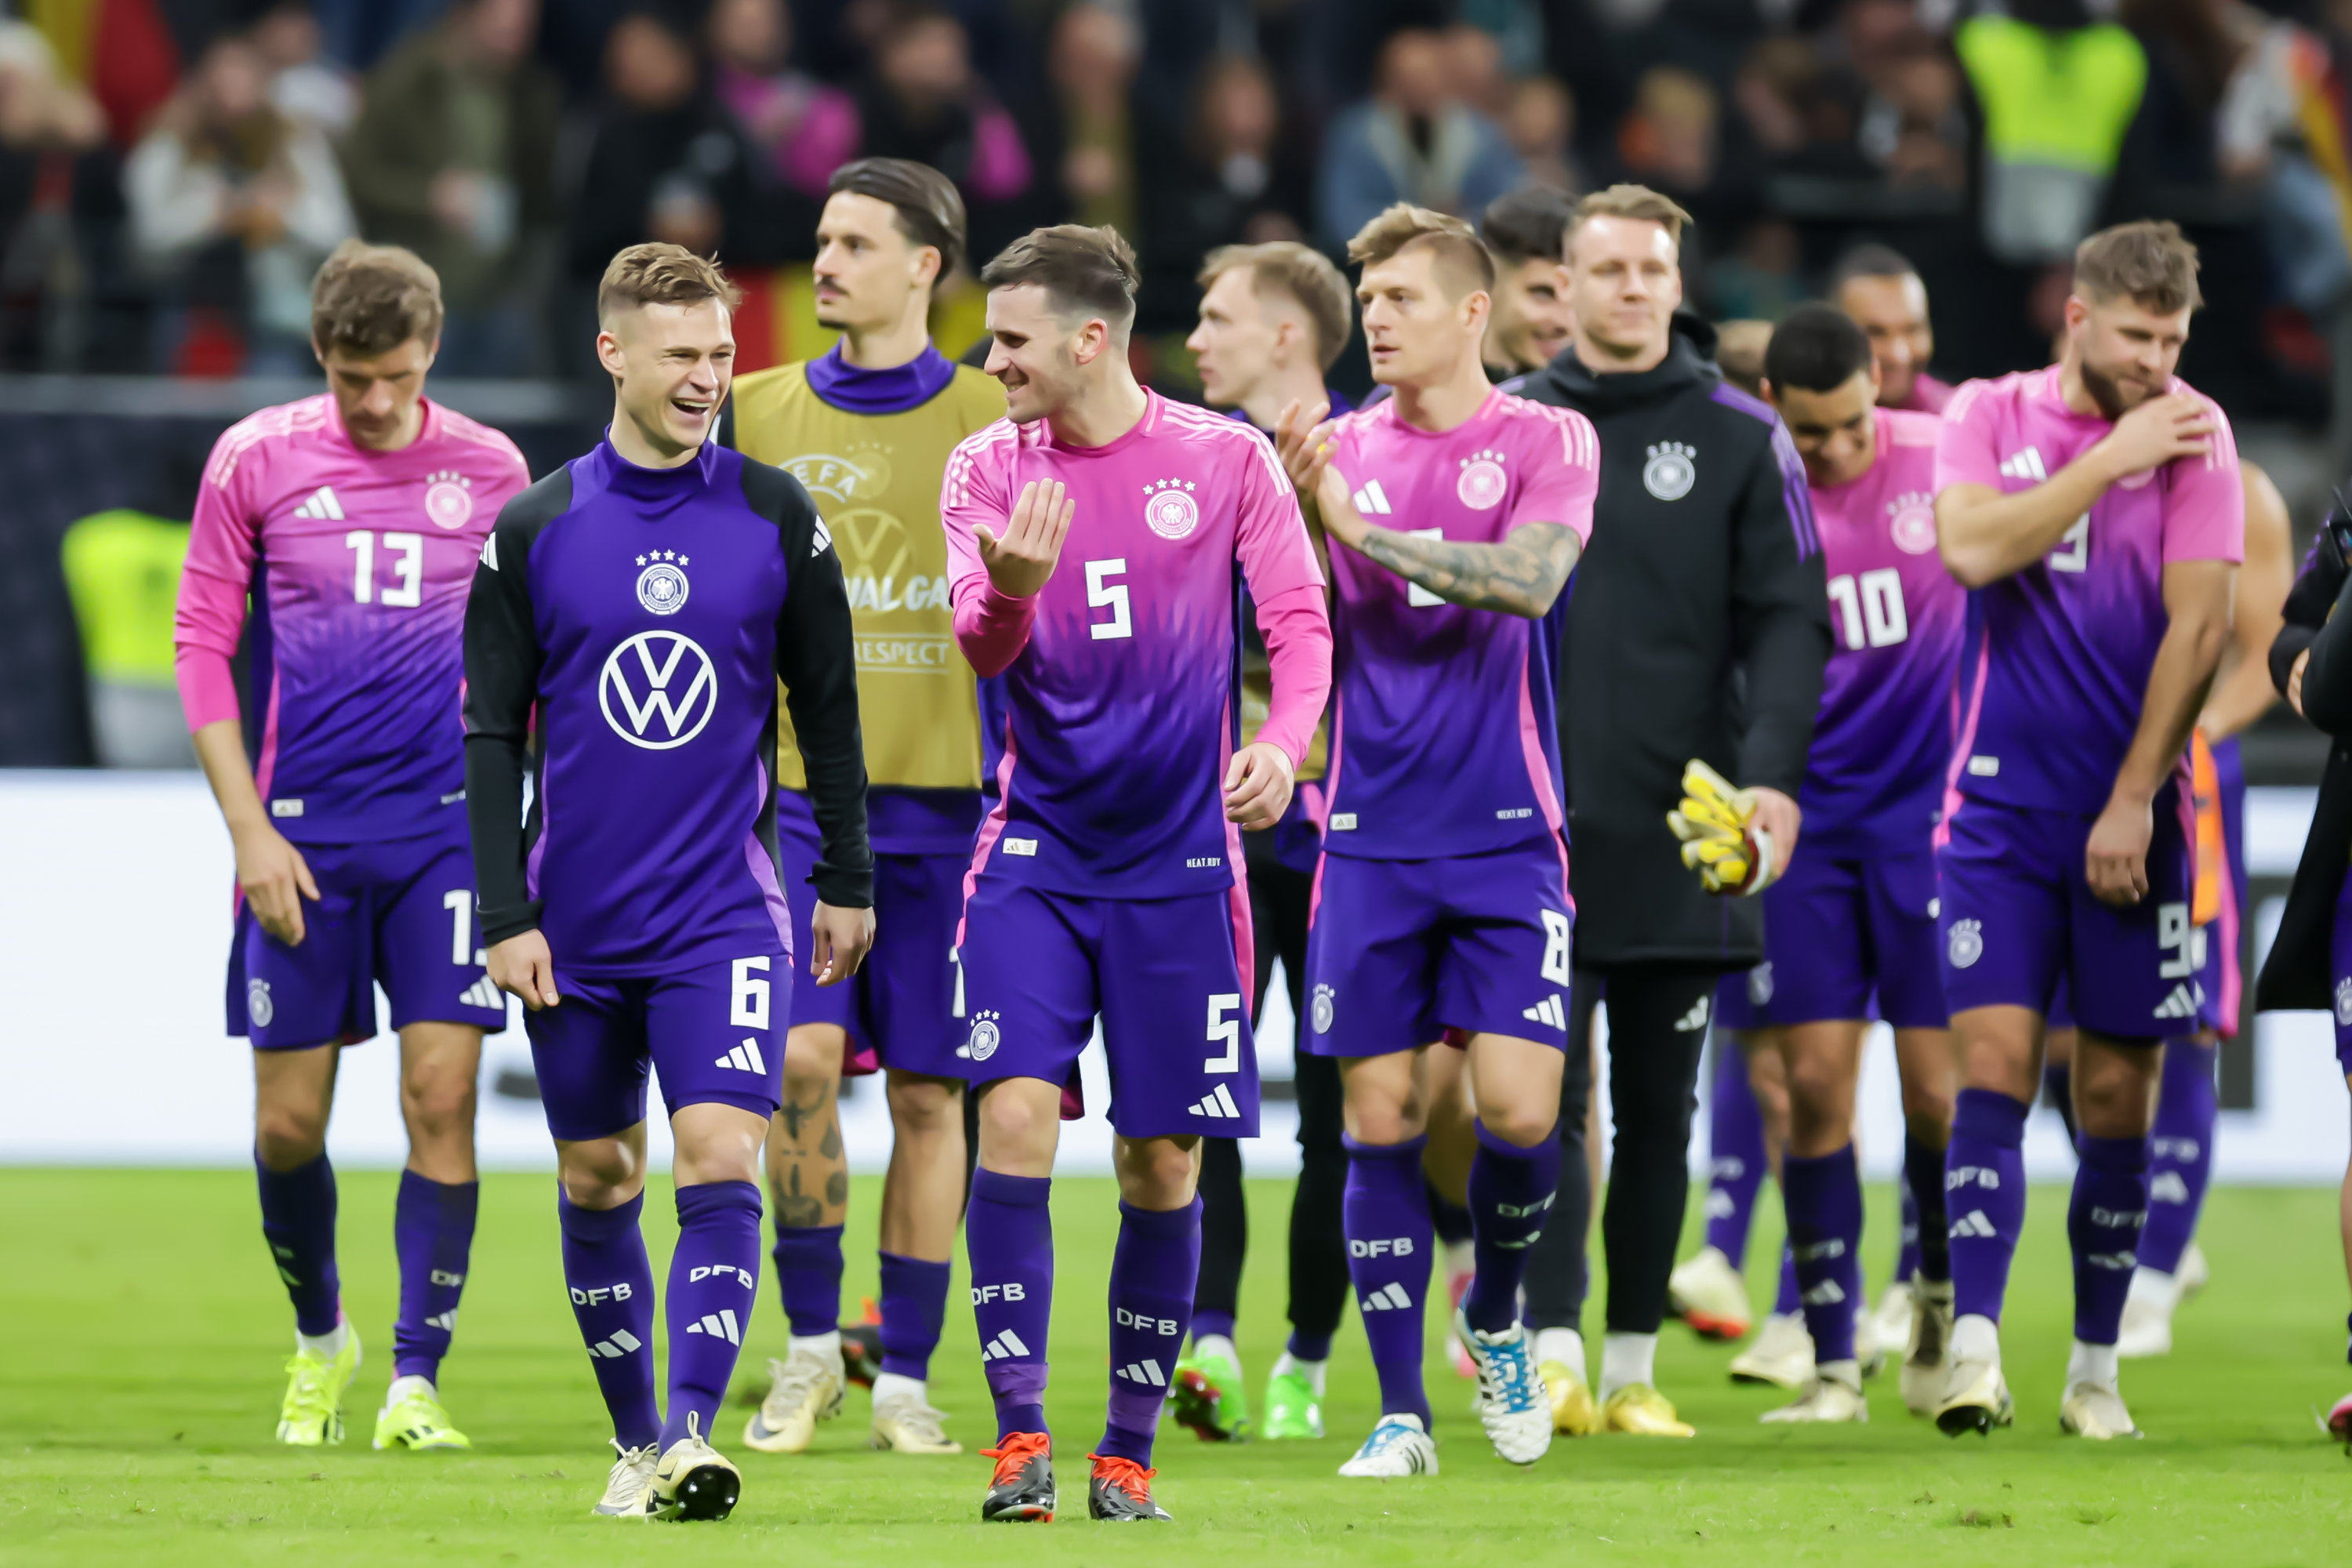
<point>276,880</point>
<point>840,939</point>
<point>2115,857</point>
<point>1257,786</point>
<point>522,966</point>
<point>2177,425</point>
<point>1019,562</point>
<point>1302,439</point>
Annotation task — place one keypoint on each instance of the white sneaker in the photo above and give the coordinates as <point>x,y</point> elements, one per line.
<point>1513,1405</point>
<point>806,1390</point>
<point>1976,1399</point>
<point>1782,1357</point>
<point>2147,1315</point>
<point>1706,1292</point>
<point>1927,1365</point>
<point>1890,1321</point>
<point>1834,1396</point>
<point>628,1490</point>
<point>1399,1446</point>
<point>2194,1272</point>
<point>905,1422</point>
<point>694,1480</point>
<point>2097,1412</point>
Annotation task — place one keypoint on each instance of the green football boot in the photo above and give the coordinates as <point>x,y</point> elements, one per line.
<point>413,1419</point>
<point>1207,1395</point>
<point>1294,1410</point>
<point>313,1412</point>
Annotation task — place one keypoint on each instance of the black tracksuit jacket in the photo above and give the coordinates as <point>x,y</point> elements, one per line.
<point>1697,626</point>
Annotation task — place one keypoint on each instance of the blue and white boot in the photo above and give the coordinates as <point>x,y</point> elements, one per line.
<point>1399,1446</point>
<point>1512,1403</point>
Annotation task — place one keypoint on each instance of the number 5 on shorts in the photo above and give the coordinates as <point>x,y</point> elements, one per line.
<point>1225,1031</point>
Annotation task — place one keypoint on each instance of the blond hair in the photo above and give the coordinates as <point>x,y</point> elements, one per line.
<point>1284,267</point>
<point>659,274</point>
<point>2150,264</point>
<point>369,299</point>
<point>1458,249</point>
<point>1637,202</point>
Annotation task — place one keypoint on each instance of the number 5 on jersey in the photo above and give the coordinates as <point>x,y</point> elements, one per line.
<point>1104,594</point>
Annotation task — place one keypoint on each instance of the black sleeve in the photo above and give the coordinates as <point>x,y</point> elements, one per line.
<point>2308,605</point>
<point>2328,679</point>
<point>1780,618</point>
<point>502,660</point>
<point>817,658</point>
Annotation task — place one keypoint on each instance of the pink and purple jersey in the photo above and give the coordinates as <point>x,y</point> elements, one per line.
<point>1112,724</point>
<point>1885,735</point>
<point>2055,665</point>
<point>358,565</point>
<point>1446,739</point>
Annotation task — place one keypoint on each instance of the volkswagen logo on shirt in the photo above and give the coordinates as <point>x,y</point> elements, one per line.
<point>664,688</point>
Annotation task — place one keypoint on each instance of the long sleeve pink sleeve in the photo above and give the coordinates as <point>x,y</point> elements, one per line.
<point>2205,500</point>
<point>210,616</point>
<point>1296,627</point>
<point>991,627</point>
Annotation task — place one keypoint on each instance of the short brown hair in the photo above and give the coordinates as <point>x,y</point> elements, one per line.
<point>931,212</point>
<point>371,298</point>
<point>1637,202</point>
<point>1080,268</point>
<point>1300,271</point>
<point>659,274</point>
<point>1459,250</point>
<point>2147,263</point>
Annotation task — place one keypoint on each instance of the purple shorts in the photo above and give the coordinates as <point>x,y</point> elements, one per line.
<point>397,913</point>
<point>902,1007</point>
<point>1848,933</point>
<point>715,1033</point>
<point>1402,950</point>
<point>2019,917</point>
<point>2342,949</point>
<point>1169,977</point>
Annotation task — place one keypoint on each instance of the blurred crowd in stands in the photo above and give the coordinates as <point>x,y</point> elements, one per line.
<point>171,171</point>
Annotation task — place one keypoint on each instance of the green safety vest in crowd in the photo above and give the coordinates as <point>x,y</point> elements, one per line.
<point>123,569</point>
<point>2056,106</point>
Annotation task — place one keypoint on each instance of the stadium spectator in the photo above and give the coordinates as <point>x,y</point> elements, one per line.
<point>669,163</point>
<point>805,129</point>
<point>61,203</point>
<point>306,87</point>
<point>1413,141</point>
<point>134,66</point>
<point>1091,57</point>
<point>452,158</point>
<point>234,205</point>
<point>1540,125</point>
<point>1223,181</point>
<point>1672,141</point>
<point>2057,90</point>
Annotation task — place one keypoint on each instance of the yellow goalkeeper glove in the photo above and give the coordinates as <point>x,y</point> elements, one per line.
<point>1720,842</point>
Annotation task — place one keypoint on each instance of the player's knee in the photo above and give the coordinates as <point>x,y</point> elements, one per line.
<point>438,1107</point>
<point>1521,1124</point>
<point>1156,1174</point>
<point>812,1066</point>
<point>1927,1112</point>
<point>1013,1124</point>
<point>286,1138</point>
<point>925,1107</point>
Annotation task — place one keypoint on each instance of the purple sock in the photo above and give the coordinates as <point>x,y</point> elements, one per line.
<point>714,1277</point>
<point>1824,1198</point>
<point>1923,1191</point>
<point>2058,1090</point>
<point>808,1277</point>
<point>1735,1143</point>
<point>1008,1234</point>
<point>1906,1209</point>
<point>1511,1191</point>
<point>1207,1323</point>
<point>2183,1151</point>
<point>1984,1194</point>
<point>1386,1215</point>
<point>297,1220</point>
<point>914,1306</point>
<point>2103,1224</point>
<point>612,1287</point>
<point>1786,1298</point>
<point>1153,1272</point>
<point>433,1229</point>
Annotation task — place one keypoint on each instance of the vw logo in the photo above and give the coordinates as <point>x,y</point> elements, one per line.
<point>678,686</point>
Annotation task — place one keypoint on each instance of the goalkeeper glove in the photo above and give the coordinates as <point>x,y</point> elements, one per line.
<point>1720,842</point>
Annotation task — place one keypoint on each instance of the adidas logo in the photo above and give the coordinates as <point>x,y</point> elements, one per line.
<point>1828,1293</point>
<point>1695,1019</point>
<point>1547,1011</point>
<point>745,1057</point>
<point>1972,1222</point>
<point>718,1325</point>
<point>1391,1297</point>
<point>1372,500</point>
<point>2026,465</point>
<point>621,1343</point>
<point>1143,1372</point>
<point>323,506</point>
<point>2181,1003</point>
<point>1834,1248</point>
<point>1218,1104</point>
<point>2167,1188</point>
<point>2120,1262</point>
<point>1004,1347</point>
<point>483,994</point>
<point>447,1321</point>
<point>823,538</point>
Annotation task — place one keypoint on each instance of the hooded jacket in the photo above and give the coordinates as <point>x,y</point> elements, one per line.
<point>1697,626</point>
<point>2300,971</point>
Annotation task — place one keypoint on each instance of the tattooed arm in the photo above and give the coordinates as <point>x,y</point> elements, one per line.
<point>1519,576</point>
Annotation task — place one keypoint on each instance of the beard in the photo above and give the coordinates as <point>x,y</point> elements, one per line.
<point>2115,395</point>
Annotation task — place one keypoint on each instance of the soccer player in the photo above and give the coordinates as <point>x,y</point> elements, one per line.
<point>352,518</point>
<point>866,429</point>
<point>1854,918</point>
<point>1108,879</point>
<point>2094,511</point>
<point>642,603</point>
<point>1442,903</point>
<point>1882,293</point>
<point>1523,231</point>
<point>1274,319</point>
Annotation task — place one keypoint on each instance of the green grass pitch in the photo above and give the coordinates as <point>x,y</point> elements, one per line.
<point>142,1335</point>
